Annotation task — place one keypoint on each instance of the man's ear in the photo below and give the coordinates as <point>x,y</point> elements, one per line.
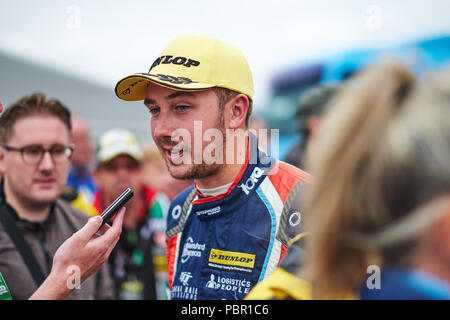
<point>237,110</point>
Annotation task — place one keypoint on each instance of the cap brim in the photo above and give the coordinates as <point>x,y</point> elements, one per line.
<point>134,87</point>
<point>109,156</point>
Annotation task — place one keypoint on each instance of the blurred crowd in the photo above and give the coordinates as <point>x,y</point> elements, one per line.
<point>377,147</point>
<point>378,207</point>
<point>96,178</point>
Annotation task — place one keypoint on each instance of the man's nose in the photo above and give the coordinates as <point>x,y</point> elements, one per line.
<point>162,127</point>
<point>47,162</point>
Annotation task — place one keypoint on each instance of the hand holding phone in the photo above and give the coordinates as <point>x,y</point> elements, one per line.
<point>116,205</point>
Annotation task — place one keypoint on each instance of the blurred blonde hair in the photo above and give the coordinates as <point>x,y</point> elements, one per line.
<point>383,151</point>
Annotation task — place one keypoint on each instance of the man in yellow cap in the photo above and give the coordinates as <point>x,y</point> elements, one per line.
<point>230,229</point>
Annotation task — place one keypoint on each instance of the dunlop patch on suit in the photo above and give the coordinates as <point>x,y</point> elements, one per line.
<point>231,261</point>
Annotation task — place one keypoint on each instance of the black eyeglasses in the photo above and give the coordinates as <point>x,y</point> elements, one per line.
<point>34,154</point>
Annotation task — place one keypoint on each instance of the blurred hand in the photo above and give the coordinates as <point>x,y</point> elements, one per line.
<point>84,251</point>
<point>1,106</point>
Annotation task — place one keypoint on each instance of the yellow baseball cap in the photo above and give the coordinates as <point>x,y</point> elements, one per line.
<point>192,63</point>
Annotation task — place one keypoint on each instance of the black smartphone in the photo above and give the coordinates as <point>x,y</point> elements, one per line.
<point>116,205</point>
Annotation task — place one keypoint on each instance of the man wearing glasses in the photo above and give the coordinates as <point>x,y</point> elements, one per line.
<point>34,160</point>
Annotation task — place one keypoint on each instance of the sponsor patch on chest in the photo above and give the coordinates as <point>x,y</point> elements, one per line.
<point>231,260</point>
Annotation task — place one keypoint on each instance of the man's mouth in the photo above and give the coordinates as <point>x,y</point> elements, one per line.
<point>45,182</point>
<point>174,156</point>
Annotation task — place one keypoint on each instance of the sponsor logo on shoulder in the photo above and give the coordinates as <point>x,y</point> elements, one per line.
<point>176,212</point>
<point>251,182</point>
<point>231,260</point>
<point>295,218</point>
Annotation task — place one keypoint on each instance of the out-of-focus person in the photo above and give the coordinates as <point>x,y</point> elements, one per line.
<point>310,109</point>
<point>382,164</point>
<point>81,186</point>
<point>34,156</point>
<point>381,160</point>
<point>78,201</point>
<point>154,173</point>
<point>138,262</point>
<point>80,174</point>
<point>284,282</point>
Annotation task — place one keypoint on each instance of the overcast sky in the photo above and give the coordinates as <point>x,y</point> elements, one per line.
<point>106,40</point>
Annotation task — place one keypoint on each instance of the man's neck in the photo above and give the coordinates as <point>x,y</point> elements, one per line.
<point>214,191</point>
<point>227,174</point>
<point>34,212</point>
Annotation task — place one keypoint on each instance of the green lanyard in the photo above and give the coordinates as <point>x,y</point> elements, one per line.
<point>4,291</point>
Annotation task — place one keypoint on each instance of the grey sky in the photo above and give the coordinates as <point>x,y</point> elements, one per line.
<point>111,39</point>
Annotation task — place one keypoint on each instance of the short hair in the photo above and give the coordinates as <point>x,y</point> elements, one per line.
<point>31,105</point>
<point>224,95</point>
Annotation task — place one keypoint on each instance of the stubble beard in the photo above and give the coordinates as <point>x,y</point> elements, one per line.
<point>202,170</point>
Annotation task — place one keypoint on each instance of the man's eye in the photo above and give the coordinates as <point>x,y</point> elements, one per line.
<point>154,110</point>
<point>58,150</point>
<point>182,108</point>
<point>32,151</point>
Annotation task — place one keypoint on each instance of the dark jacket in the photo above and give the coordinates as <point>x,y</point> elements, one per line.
<point>44,239</point>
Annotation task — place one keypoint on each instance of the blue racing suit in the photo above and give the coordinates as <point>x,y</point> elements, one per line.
<point>220,247</point>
